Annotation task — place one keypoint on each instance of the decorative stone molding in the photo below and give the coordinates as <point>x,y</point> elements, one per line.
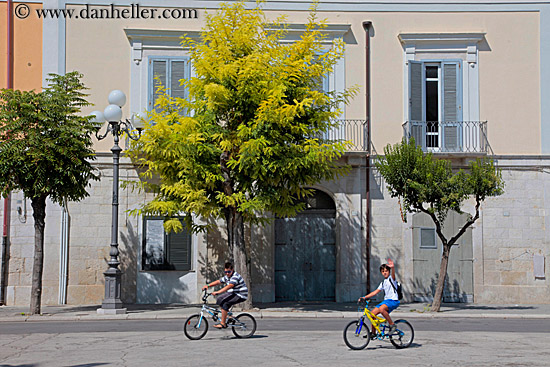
<point>155,39</point>
<point>467,43</point>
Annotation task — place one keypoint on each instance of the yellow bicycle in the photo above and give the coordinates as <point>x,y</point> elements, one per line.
<point>357,334</point>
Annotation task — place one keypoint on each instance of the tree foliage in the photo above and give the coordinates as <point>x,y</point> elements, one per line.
<point>257,121</point>
<point>429,185</point>
<point>45,146</point>
<point>252,139</point>
<point>45,151</point>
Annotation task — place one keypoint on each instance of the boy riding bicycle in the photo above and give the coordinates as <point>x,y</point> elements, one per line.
<point>236,289</point>
<point>391,299</point>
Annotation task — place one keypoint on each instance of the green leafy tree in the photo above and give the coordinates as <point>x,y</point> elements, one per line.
<point>45,151</point>
<point>428,185</point>
<point>251,142</point>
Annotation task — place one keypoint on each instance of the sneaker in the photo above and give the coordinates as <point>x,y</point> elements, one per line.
<point>393,329</point>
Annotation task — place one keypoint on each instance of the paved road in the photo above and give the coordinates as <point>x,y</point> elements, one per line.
<point>278,342</point>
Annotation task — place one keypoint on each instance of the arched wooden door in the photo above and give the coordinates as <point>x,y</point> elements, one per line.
<point>305,253</point>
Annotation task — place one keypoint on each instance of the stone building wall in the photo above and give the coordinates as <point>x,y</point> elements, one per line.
<point>512,228</point>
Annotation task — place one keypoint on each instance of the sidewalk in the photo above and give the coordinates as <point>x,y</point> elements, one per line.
<point>310,310</point>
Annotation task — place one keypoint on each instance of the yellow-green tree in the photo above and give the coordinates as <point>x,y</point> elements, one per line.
<point>248,138</point>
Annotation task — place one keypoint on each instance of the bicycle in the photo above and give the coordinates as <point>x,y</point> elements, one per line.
<point>196,326</point>
<point>357,334</point>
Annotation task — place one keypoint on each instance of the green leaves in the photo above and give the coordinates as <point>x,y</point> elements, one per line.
<point>427,184</point>
<point>45,146</point>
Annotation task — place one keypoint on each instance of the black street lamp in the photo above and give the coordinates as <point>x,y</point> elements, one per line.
<point>113,114</point>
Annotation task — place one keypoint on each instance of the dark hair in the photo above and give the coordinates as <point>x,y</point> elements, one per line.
<point>228,265</point>
<point>385,267</point>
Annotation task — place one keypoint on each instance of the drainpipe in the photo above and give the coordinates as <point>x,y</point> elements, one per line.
<point>366,26</point>
<point>64,253</point>
<point>7,207</point>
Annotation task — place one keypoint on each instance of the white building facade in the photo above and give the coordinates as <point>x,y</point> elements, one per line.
<point>465,79</point>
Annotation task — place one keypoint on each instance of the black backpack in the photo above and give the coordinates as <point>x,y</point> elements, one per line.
<point>398,290</point>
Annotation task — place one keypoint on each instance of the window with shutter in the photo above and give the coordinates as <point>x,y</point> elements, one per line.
<point>168,72</point>
<point>164,251</point>
<point>435,104</point>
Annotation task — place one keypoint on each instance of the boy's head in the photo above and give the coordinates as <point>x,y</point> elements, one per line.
<point>385,270</point>
<point>228,269</point>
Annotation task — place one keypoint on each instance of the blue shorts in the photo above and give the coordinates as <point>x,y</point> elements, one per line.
<point>392,305</point>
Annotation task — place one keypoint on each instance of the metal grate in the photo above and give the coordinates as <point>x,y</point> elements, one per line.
<point>449,136</point>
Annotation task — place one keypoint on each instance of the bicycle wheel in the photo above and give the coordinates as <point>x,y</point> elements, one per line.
<point>357,335</point>
<point>193,330</point>
<point>403,336</point>
<point>244,326</point>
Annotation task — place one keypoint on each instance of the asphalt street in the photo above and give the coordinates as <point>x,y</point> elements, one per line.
<point>272,324</point>
<point>277,342</point>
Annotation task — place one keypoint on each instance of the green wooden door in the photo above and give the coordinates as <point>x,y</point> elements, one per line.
<point>305,258</point>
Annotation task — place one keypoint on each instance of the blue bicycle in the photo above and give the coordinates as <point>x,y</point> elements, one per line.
<point>196,326</point>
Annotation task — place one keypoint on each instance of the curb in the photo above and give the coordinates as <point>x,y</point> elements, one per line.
<point>265,314</point>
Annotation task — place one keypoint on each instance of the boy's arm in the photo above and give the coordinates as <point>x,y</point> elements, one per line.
<point>392,266</point>
<point>213,284</point>
<point>224,289</point>
<point>372,294</point>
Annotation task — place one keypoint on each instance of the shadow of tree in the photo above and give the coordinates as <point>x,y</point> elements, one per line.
<point>129,260</point>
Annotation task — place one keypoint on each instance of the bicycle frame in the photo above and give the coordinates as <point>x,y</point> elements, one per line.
<point>375,321</point>
<point>212,311</point>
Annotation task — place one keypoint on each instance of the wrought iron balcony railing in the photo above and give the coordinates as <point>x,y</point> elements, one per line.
<point>354,131</point>
<point>449,136</point>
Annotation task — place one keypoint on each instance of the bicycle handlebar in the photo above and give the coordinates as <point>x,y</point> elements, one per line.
<point>367,301</point>
<point>205,295</point>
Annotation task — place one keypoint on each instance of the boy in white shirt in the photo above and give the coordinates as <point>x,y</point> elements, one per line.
<point>391,300</point>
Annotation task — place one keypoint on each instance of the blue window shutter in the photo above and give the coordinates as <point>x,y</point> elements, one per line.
<point>452,101</point>
<point>452,105</point>
<point>415,91</point>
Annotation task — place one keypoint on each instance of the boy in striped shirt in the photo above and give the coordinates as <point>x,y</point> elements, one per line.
<point>235,292</point>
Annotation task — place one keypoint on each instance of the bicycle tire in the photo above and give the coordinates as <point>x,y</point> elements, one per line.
<point>357,335</point>
<point>404,335</point>
<point>191,330</point>
<point>246,327</point>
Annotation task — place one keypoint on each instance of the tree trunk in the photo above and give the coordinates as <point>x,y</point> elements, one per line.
<point>39,215</point>
<point>235,231</point>
<point>237,246</point>
<point>438,296</point>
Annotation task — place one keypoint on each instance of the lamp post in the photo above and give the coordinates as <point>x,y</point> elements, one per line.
<point>113,114</point>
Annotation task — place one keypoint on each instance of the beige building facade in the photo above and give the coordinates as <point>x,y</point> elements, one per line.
<point>465,79</point>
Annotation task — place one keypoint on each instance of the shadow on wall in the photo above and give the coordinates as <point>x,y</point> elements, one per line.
<point>163,287</point>
<point>129,245</point>
<point>212,262</point>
